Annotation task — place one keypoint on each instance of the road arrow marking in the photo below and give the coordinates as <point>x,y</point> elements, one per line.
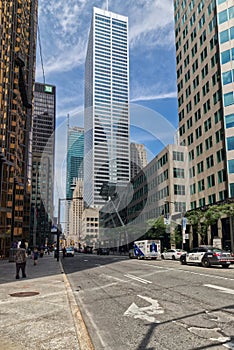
<point>221,289</point>
<point>145,313</point>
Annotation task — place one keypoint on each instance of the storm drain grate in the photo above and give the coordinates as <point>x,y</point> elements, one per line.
<point>24,294</point>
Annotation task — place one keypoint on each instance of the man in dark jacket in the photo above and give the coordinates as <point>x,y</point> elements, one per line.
<point>20,260</point>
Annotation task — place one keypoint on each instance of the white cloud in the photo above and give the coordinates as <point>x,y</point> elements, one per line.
<point>161,96</point>
<point>64,28</point>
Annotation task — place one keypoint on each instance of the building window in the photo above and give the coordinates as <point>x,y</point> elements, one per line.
<point>219,135</point>
<point>198,132</point>
<point>230,143</point>
<point>199,149</point>
<point>205,71</point>
<point>197,115</point>
<point>211,181</point>
<point>182,130</point>
<point>223,16</point>
<point>200,167</point>
<point>197,98</point>
<point>231,188</point>
<point>207,124</point>
<point>228,99</point>
<point>227,77</point>
<point>220,155</point>
<point>201,185</point>
<point>193,205</point>
<point>178,173</point>
<point>227,56</point>
<point>189,107</point>
<point>218,116</point>
<point>192,189</point>
<point>190,139</point>
<point>192,172</point>
<point>222,176</point>
<point>179,156</point>
<point>191,155</point>
<point>179,190</point>
<point>210,162</point>
<point>222,195</point>
<point>205,88</point>
<point>189,123</point>
<point>229,121</point>
<point>212,199</point>
<point>202,202</point>
<point>206,106</point>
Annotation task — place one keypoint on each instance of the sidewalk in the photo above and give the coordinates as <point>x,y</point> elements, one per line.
<point>43,315</point>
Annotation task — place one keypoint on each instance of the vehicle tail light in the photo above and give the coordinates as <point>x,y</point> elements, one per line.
<point>217,254</point>
<point>179,253</point>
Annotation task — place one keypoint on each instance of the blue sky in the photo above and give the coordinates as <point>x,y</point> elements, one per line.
<point>64,28</point>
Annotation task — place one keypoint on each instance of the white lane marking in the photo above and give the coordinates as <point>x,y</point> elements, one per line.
<point>103,287</point>
<point>188,271</point>
<point>115,278</point>
<point>139,279</point>
<point>145,313</point>
<point>221,289</point>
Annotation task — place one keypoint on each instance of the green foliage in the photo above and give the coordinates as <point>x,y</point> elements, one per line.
<point>156,228</point>
<point>202,219</point>
<point>176,238</point>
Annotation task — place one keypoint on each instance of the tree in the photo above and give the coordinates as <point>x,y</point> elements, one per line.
<point>156,228</point>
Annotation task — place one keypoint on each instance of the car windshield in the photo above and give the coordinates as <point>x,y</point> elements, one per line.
<point>216,250</point>
<point>70,249</point>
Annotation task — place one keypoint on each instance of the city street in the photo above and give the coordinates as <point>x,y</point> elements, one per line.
<point>144,304</point>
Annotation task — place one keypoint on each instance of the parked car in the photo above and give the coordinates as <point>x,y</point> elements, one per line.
<point>207,256</point>
<point>103,251</point>
<point>70,252</point>
<point>88,250</point>
<point>173,254</point>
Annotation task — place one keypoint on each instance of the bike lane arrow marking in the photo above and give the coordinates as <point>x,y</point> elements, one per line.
<point>145,313</point>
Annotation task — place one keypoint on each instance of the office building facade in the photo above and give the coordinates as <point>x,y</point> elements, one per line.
<point>138,158</point>
<point>204,32</point>
<point>43,151</point>
<point>75,215</point>
<point>17,67</point>
<point>106,117</point>
<point>75,168</point>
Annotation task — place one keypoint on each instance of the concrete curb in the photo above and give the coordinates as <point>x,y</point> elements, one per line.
<point>83,336</point>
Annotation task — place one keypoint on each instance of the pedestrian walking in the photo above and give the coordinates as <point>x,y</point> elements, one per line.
<point>64,252</point>
<point>35,256</point>
<point>20,260</point>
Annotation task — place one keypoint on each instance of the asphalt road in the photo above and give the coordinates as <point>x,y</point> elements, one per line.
<point>153,305</point>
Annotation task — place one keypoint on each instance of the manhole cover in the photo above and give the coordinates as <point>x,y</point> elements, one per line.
<point>24,294</point>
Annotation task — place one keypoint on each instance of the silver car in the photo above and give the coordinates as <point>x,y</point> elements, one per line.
<point>173,254</point>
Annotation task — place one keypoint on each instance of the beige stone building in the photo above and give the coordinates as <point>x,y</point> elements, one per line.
<point>90,227</point>
<point>204,33</point>
<point>76,212</point>
<point>138,157</point>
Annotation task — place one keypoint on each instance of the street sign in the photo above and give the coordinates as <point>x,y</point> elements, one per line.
<point>54,229</point>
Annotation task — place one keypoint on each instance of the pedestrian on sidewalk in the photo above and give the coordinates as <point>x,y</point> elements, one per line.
<point>35,256</point>
<point>20,260</point>
<point>64,252</point>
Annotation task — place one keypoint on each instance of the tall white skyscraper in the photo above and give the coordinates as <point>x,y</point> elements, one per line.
<point>106,105</point>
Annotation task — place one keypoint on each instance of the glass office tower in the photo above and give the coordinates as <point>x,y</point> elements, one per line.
<point>18,31</point>
<point>43,150</point>
<point>75,169</point>
<point>106,105</point>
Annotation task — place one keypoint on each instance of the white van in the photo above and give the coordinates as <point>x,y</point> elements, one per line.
<point>146,249</point>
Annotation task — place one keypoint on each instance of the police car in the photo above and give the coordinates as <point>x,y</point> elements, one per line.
<point>207,256</point>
